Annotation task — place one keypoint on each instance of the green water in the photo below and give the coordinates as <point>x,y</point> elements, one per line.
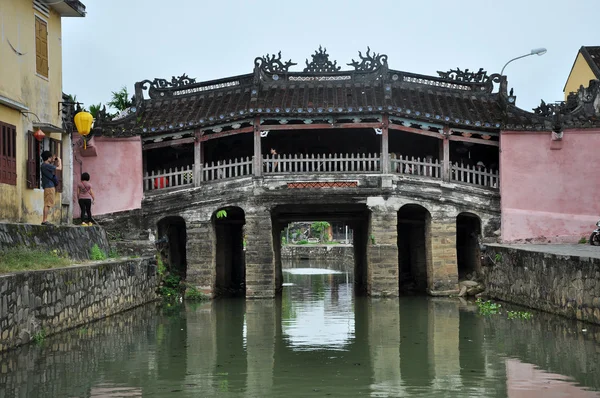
<point>318,340</point>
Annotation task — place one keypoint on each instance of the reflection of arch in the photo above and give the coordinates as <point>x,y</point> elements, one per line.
<point>230,278</point>
<point>414,248</point>
<point>172,238</point>
<point>468,230</point>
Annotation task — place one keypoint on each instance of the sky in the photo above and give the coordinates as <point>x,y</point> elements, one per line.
<point>121,42</point>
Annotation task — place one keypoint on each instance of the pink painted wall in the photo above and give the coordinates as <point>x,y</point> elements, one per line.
<point>550,190</point>
<point>115,173</point>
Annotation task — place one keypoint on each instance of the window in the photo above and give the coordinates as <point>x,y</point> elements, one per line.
<point>34,161</point>
<point>8,154</point>
<point>41,47</point>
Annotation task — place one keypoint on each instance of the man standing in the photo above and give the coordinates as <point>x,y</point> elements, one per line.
<point>49,181</point>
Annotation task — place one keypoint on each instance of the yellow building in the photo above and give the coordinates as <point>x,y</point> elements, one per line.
<point>30,98</point>
<point>585,68</point>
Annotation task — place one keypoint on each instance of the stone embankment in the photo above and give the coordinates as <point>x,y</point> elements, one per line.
<point>72,240</point>
<point>560,279</point>
<point>333,253</point>
<point>37,303</point>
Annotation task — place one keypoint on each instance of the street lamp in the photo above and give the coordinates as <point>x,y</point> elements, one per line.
<point>535,51</point>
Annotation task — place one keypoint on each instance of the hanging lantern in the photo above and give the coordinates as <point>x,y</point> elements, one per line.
<point>83,122</point>
<point>39,134</point>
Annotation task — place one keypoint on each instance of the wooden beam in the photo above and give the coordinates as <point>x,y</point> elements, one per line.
<point>385,145</point>
<point>416,131</point>
<point>474,140</point>
<point>198,160</point>
<point>319,126</point>
<point>446,156</point>
<point>163,144</point>
<point>257,164</point>
<point>213,136</point>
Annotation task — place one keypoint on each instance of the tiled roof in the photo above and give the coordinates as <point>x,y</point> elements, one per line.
<point>321,92</point>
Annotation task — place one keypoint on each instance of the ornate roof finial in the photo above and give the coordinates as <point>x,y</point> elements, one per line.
<point>273,64</point>
<point>321,63</point>
<point>465,76</point>
<point>369,62</point>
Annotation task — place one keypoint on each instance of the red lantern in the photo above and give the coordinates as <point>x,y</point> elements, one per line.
<point>39,135</point>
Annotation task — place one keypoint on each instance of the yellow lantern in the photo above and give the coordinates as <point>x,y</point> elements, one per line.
<point>83,122</point>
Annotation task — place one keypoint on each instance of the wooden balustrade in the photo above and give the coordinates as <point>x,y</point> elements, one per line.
<point>225,169</point>
<point>325,163</point>
<point>173,177</point>
<point>317,164</point>
<point>475,175</point>
<point>427,167</point>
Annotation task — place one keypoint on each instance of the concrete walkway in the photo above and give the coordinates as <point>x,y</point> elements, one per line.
<point>582,250</point>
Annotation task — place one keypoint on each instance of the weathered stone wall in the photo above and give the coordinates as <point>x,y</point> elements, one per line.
<point>74,241</point>
<point>49,301</point>
<point>382,253</point>
<point>565,285</point>
<point>321,253</point>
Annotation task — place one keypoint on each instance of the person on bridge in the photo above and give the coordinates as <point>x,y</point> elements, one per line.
<point>272,166</point>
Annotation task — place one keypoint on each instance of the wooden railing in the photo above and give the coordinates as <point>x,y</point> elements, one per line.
<point>225,169</point>
<point>173,177</point>
<point>326,163</point>
<point>475,175</point>
<point>426,167</point>
<point>316,164</point>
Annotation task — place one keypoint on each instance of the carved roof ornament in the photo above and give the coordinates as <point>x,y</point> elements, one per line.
<point>321,63</point>
<point>273,64</point>
<point>480,76</point>
<point>370,62</point>
<point>547,110</point>
<point>175,82</point>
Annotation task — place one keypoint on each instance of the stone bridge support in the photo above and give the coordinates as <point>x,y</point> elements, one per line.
<point>382,252</point>
<point>260,259</point>
<point>200,246</point>
<point>444,272</point>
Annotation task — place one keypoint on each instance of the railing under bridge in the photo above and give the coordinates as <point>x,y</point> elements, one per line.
<point>321,164</point>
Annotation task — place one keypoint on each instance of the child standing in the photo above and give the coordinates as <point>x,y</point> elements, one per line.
<point>85,197</point>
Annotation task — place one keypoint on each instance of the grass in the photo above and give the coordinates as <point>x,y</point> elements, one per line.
<point>25,259</point>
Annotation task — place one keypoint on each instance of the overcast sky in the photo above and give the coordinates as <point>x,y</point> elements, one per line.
<point>121,42</point>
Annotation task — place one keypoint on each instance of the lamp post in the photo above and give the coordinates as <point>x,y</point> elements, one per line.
<point>535,51</point>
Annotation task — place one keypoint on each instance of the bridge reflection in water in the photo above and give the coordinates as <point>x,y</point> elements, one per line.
<point>317,340</point>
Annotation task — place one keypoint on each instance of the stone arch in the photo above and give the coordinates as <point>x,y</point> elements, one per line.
<point>414,249</point>
<point>171,242</point>
<point>230,261</point>
<point>468,255</point>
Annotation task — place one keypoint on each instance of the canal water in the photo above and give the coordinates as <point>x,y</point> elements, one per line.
<point>317,340</point>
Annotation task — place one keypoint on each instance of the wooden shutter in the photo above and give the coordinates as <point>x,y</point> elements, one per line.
<point>33,159</point>
<point>41,47</point>
<point>8,154</point>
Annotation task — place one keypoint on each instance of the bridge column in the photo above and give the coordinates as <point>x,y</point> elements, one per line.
<point>260,259</point>
<point>444,273</point>
<point>385,147</point>
<point>257,160</point>
<point>198,160</point>
<point>382,253</point>
<point>200,245</point>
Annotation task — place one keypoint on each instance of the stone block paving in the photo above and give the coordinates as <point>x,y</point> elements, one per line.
<point>579,250</point>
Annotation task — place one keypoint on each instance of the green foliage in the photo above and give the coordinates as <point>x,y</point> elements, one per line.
<point>39,337</point>
<point>583,241</point>
<point>193,294</point>
<point>372,239</point>
<point>120,99</point>
<point>519,315</point>
<point>96,253</point>
<point>222,213</point>
<point>170,289</point>
<point>302,242</point>
<point>95,109</point>
<point>113,253</point>
<point>23,259</point>
<point>319,227</point>
<point>161,269</point>
<point>283,240</point>
<point>498,257</point>
<point>488,307</point>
